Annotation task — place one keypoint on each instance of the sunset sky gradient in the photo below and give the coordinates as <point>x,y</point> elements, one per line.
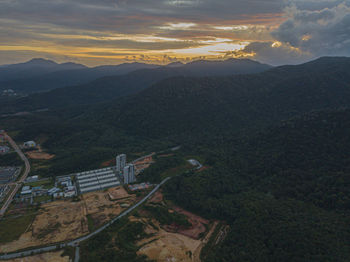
<point>95,32</point>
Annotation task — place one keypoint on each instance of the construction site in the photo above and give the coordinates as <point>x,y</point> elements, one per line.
<point>65,219</point>
<point>172,242</point>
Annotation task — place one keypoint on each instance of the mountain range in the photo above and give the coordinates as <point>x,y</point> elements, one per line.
<point>40,75</point>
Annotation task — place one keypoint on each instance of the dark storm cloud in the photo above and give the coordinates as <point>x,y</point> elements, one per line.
<point>320,32</point>
<point>133,15</point>
<point>312,29</point>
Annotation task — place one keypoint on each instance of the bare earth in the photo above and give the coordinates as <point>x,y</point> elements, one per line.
<point>165,246</point>
<point>198,224</point>
<point>46,257</point>
<point>39,154</point>
<point>64,220</point>
<point>143,164</point>
<point>170,244</point>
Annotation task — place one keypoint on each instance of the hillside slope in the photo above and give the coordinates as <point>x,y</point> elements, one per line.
<point>283,192</point>
<point>107,88</point>
<point>208,105</point>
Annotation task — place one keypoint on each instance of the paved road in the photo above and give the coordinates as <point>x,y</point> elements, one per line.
<point>75,243</point>
<point>24,176</point>
<point>77,254</point>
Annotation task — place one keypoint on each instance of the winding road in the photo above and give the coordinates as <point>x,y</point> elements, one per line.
<point>24,176</point>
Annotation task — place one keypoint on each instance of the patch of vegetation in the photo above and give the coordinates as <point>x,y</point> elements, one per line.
<point>164,167</point>
<point>207,249</point>
<point>48,230</point>
<point>10,159</point>
<point>117,242</point>
<point>43,198</point>
<point>11,228</point>
<point>91,223</point>
<point>45,183</point>
<point>165,217</point>
<point>69,251</point>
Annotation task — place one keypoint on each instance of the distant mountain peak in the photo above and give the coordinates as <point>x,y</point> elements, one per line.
<point>41,61</point>
<point>175,64</point>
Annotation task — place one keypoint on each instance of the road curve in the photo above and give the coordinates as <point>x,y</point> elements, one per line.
<point>83,238</point>
<point>24,176</point>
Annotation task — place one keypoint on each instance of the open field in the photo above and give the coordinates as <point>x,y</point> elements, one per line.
<point>46,257</point>
<point>13,227</point>
<point>45,183</point>
<point>39,154</point>
<point>63,220</point>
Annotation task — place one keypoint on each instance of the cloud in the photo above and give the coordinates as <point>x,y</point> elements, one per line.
<point>311,29</point>
<point>320,32</point>
<point>73,28</point>
<point>274,53</point>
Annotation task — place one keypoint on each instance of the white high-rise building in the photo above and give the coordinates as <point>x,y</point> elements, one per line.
<point>121,162</point>
<point>129,174</point>
<point>126,175</point>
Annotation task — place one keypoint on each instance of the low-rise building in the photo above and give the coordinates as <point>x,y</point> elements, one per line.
<point>69,193</point>
<point>53,191</point>
<point>4,150</point>
<point>26,190</point>
<point>29,144</point>
<point>32,179</point>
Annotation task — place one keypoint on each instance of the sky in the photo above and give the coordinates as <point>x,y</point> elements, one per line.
<point>96,32</point>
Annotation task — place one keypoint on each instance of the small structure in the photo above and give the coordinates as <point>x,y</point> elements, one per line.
<point>58,194</point>
<point>53,190</point>
<point>69,193</point>
<point>4,150</point>
<point>141,186</point>
<point>29,144</point>
<point>26,190</point>
<point>196,163</point>
<point>32,179</point>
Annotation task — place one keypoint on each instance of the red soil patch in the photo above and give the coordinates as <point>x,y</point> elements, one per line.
<point>157,198</point>
<point>198,224</point>
<point>108,163</point>
<point>203,168</point>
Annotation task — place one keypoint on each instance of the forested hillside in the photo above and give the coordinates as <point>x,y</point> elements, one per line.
<point>285,192</point>
<point>275,144</point>
<point>115,84</point>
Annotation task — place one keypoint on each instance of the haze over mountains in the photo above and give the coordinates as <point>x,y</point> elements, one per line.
<point>42,75</point>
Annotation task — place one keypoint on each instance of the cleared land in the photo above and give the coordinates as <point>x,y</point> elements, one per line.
<point>64,220</point>
<point>46,257</point>
<point>171,242</point>
<point>143,164</point>
<point>39,154</point>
